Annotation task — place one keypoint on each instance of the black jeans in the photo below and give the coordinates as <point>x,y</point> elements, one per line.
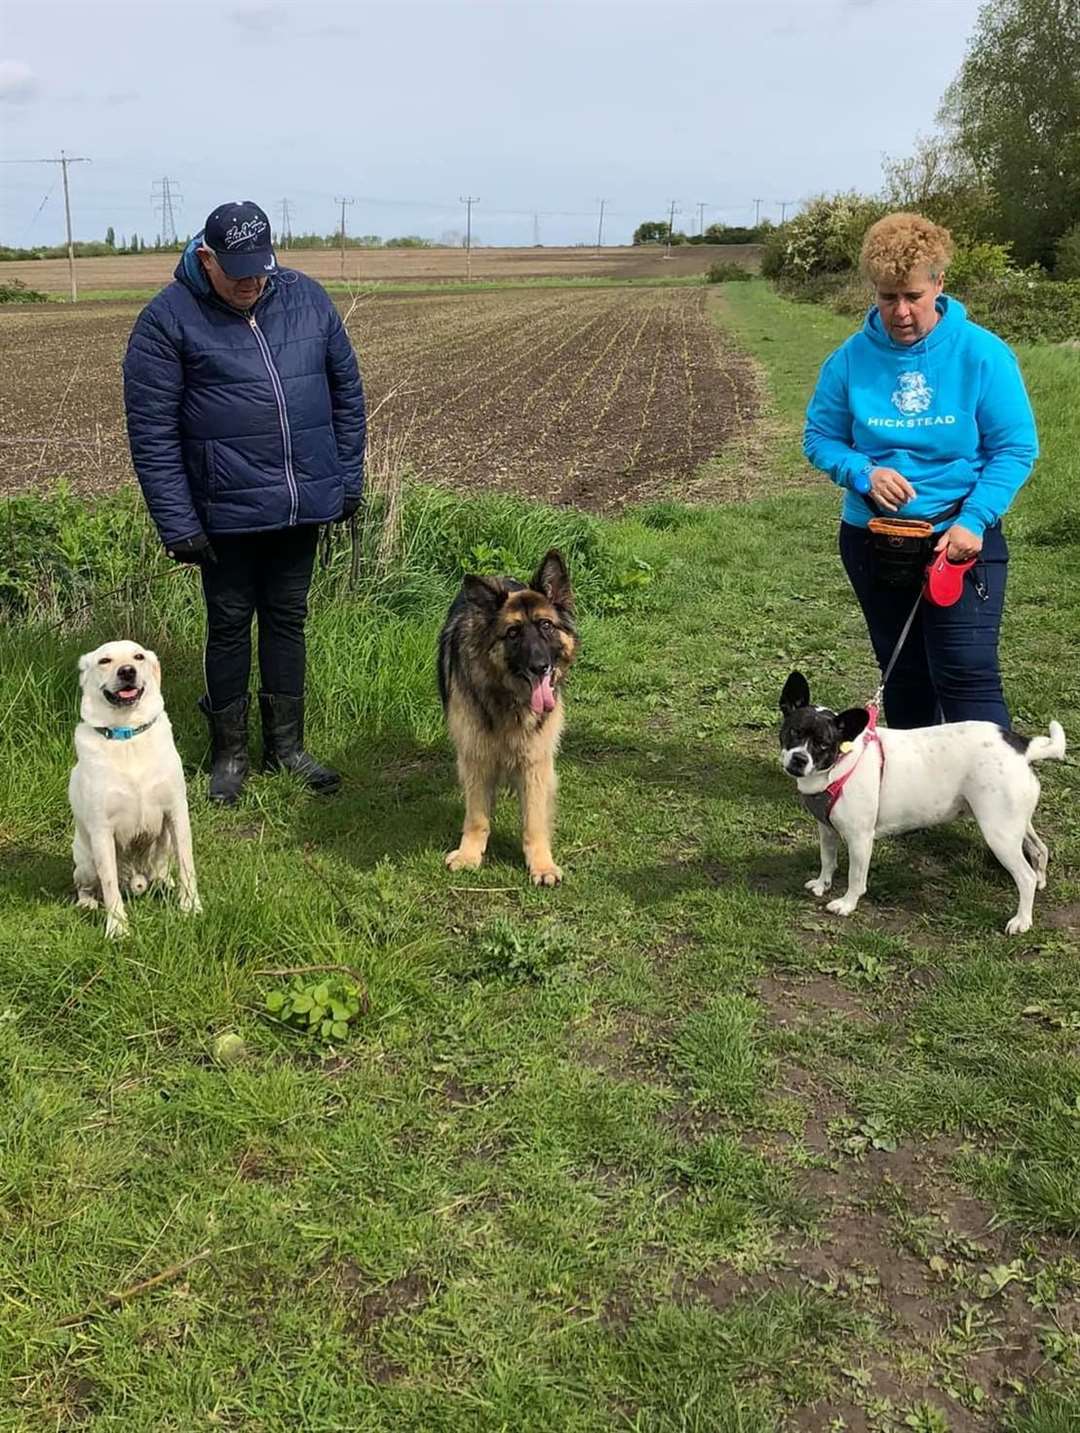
<point>265,574</point>
<point>948,668</point>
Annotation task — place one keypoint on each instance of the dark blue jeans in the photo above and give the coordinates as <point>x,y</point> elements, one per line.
<point>948,668</point>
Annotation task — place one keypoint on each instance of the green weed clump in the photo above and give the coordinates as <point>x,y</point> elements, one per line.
<point>727,273</point>
<point>14,291</point>
<point>325,1008</point>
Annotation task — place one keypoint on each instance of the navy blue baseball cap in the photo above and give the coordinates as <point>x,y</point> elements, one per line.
<point>239,235</point>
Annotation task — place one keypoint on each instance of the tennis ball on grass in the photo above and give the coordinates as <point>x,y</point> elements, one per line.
<point>229,1048</point>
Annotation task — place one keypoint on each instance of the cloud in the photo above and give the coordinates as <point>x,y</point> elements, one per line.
<point>111,98</point>
<point>260,20</point>
<point>332,32</point>
<point>18,83</point>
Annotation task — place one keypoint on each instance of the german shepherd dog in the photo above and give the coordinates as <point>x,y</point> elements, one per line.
<point>503,653</point>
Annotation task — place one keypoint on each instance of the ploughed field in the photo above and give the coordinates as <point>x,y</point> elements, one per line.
<point>591,397</point>
<point>139,271</point>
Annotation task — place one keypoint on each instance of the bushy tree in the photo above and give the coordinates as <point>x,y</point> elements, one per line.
<point>1067,256</point>
<point>652,231</point>
<point>1014,113</point>
<point>110,237</point>
<point>824,238</point>
<point>738,233</point>
<point>940,181</point>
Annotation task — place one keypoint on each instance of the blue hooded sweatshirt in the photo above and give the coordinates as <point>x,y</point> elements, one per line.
<point>949,413</point>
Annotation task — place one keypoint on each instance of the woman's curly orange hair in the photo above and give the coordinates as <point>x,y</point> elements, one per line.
<point>900,244</point>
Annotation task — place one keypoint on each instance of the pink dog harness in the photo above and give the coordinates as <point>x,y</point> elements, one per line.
<point>820,804</point>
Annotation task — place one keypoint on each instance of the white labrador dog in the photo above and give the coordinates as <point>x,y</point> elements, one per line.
<point>127,790</point>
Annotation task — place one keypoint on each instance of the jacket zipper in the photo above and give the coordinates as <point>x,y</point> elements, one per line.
<point>283,418</point>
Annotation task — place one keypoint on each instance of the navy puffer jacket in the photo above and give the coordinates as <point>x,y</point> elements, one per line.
<point>243,422</point>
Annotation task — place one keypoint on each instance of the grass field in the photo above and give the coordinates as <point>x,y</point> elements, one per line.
<point>663,1149</point>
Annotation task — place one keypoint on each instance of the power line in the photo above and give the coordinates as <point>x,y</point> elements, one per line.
<point>468,200</point>
<point>63,161</point>
<point>162,196</point>
<point>670,228</point>
<point>285,233</point>
<point>343,203</point>
<point>37,211</point>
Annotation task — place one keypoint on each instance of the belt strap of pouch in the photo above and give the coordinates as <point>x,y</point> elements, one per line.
<point>933,521</point>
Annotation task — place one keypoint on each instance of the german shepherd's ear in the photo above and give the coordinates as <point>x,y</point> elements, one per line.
<point>486,593</point>
<point>853,722</point>
<point>552,579</point>
<point>796,693</point>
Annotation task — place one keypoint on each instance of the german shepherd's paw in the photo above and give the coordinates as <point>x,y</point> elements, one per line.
<point>462,861</point>
<point>549,875</point>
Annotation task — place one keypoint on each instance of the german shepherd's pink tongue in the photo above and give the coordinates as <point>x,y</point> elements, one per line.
<point>543,698</point>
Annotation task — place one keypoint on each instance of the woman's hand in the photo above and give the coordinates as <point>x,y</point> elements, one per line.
<point>890,489</point>
<point>959,544</point>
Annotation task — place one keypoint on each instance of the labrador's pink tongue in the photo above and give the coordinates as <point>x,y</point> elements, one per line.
<point>543,698</point>
<point>129,692</point>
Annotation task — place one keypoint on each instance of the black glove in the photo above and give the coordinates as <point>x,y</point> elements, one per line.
<point>195,550</point>
<point>351,507</point>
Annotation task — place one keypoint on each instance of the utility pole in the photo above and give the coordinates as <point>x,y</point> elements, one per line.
<point>600,226</point>
<point>286,224</point>
<point>785,205</point>
<point>63,161</point>
<point>468,200</point>
<point>701,217</point>
<point>536,231</point>
<point>670,229</point>
<point>343,203</point>
<point>162,197</point>
<point>757,211</point>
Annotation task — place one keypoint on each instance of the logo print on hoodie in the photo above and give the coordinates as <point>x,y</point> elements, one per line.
<point>912,394</point>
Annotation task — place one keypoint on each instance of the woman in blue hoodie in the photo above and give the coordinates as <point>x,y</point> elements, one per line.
<point>923,414</point>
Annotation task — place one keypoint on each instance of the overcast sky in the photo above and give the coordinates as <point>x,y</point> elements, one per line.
<point>535,108</point>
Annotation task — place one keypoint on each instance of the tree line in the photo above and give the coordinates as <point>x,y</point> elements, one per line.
<point>656,231</point>
<point>138,244</point>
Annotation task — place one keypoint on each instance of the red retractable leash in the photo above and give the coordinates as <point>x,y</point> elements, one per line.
<point>945,579</point>
<point>942,587</point>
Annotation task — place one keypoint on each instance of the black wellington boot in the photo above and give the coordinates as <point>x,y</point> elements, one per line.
<point>229,742</point>
<point>283,743</point>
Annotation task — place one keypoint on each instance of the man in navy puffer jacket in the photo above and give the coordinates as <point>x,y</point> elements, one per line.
<point>245,415</point>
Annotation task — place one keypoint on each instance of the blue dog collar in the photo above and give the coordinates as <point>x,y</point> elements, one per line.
<point>123,733</point>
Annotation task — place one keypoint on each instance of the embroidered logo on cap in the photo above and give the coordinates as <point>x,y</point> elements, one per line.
<point>246,233</point>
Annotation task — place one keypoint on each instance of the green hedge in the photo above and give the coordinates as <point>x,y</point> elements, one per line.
<point>1019,308</point>
<point>1027,310</point>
